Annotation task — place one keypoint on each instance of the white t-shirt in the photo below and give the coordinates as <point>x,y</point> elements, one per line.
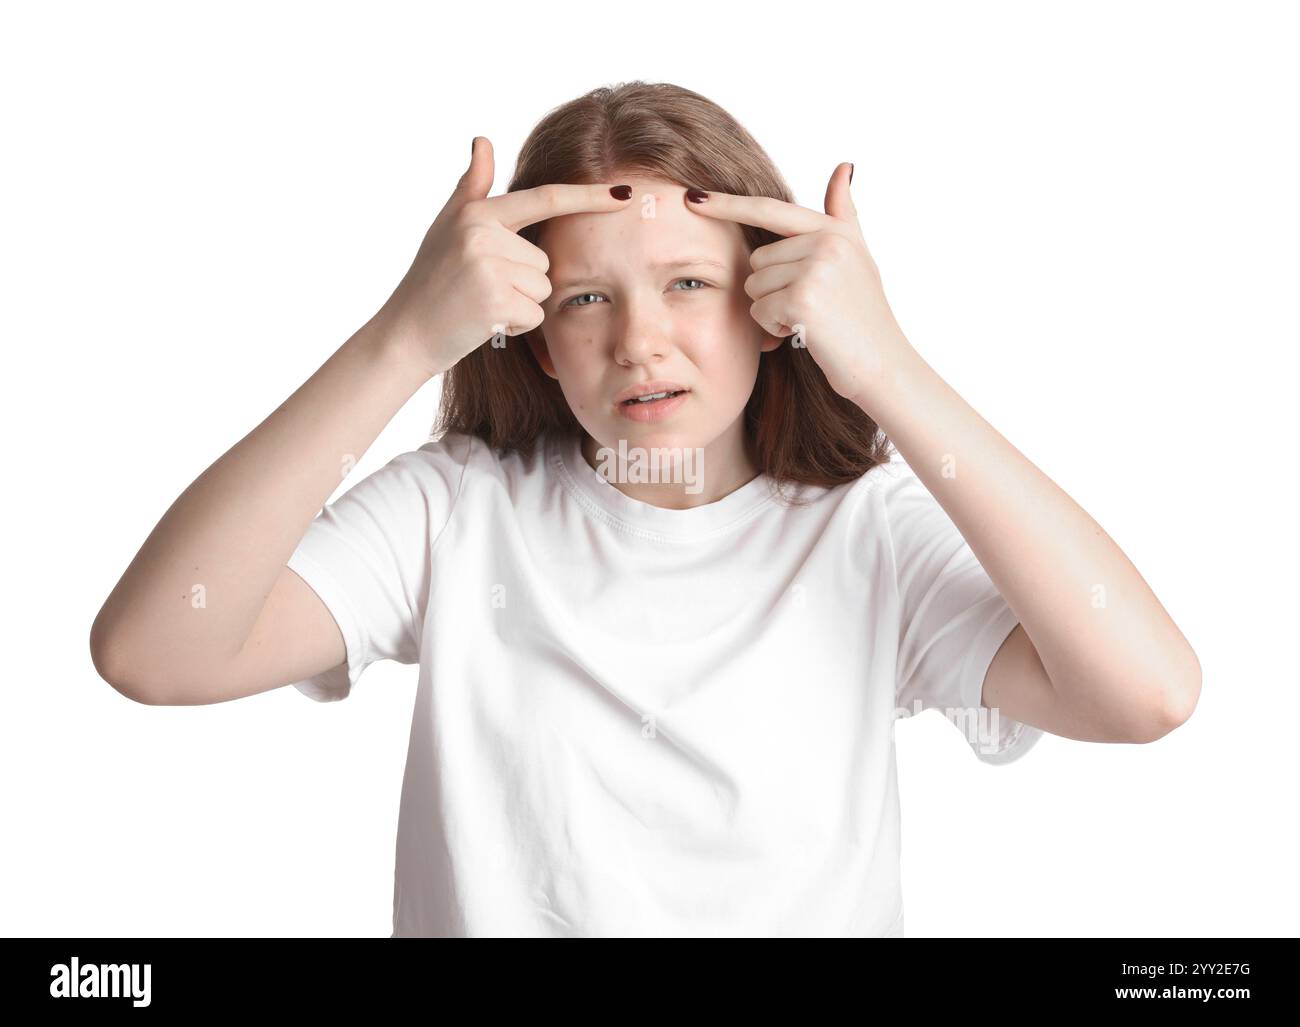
<point>639,721</point>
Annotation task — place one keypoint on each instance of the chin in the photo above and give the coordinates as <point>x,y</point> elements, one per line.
<point>653,436</point>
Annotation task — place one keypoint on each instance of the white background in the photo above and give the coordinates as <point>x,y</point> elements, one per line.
<point>1086,220</point>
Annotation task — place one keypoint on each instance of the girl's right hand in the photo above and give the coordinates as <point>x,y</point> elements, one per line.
<point>473,275</point>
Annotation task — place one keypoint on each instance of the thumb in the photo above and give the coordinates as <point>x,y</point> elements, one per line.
<point>839,202</point>
<point>477,180</point>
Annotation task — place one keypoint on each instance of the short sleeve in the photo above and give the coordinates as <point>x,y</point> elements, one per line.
<point>952,621</point>
<point>368,556</point>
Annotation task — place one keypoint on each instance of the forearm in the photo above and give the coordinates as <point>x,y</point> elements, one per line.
<point>193,592</point>
<point>1103,637</point>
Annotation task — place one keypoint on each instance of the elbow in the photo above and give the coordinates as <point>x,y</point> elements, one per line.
<point>106,657</point>
<point>1173,705</point>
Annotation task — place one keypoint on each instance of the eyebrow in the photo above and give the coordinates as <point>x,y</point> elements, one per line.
<point>663,265</point>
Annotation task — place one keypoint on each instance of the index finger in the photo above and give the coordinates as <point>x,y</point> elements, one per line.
<point>776,216</point>
<point>528,206</point>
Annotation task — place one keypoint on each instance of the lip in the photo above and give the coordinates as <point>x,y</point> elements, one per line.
<point>648,413</point>
<point>647,389</point>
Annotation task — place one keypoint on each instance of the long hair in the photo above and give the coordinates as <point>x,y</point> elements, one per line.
<point>800,429</point>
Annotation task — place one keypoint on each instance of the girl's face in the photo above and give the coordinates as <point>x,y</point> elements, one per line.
<point>654,293</point>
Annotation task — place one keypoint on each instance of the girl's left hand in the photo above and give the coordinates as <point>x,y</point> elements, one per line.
<point>819,284</point>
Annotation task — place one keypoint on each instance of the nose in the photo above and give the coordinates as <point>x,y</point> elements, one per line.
<point>643,335</point>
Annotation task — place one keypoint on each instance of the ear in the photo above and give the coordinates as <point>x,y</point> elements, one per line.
<point>537,343</point>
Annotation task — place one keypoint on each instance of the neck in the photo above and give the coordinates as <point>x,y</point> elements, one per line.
<point>708,474</point>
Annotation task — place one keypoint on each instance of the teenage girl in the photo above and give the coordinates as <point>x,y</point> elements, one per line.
<point>648,704</point>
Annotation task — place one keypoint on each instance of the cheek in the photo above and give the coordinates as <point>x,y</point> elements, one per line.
<point>731,332</point>
<point>571,345</point>
<point>747,335</point>
<point>740,304</point>
<point>576,363</point>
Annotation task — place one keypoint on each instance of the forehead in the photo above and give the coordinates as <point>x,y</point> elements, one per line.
<point>656,223</point>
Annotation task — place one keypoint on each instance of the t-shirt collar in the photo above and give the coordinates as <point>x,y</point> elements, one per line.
<point>564,454</point>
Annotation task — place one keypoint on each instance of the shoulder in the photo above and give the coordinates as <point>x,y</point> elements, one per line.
<point>450,453</point>
<point>472,459</point>
<point>435,468</point>
<point>466,470</point>
<point>427,478</point>
<point>890,514</point>
<point>885,490</point>
<point>859,505</point>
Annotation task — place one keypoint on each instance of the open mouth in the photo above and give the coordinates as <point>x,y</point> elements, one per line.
<point>654,397</point>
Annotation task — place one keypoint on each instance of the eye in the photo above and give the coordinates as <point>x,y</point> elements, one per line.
<point>573,302</point>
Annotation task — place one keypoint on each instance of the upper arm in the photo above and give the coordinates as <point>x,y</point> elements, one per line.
<point>294,637</point>
<point>354,589</point>
<point>1017,684</point>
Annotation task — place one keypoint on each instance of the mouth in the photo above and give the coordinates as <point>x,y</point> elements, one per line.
<point>648,393</point>
<point>654,397</point>
<point>651,401</point>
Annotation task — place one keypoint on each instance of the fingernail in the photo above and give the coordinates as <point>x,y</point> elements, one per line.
<point>850,174</point>
<point>471,145</point>
<point>621,192</point>
<point>696,195</point>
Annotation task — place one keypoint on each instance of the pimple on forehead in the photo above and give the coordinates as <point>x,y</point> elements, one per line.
<point>650,191</point>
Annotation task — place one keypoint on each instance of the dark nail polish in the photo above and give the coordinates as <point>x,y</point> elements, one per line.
<point>850,174</point>
<point>696,195</point>
<point>621,192</point>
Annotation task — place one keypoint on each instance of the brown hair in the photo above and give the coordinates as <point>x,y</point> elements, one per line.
<point>800,429</point>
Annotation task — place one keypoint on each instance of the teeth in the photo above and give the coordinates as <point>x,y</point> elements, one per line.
<point>650,398</point>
